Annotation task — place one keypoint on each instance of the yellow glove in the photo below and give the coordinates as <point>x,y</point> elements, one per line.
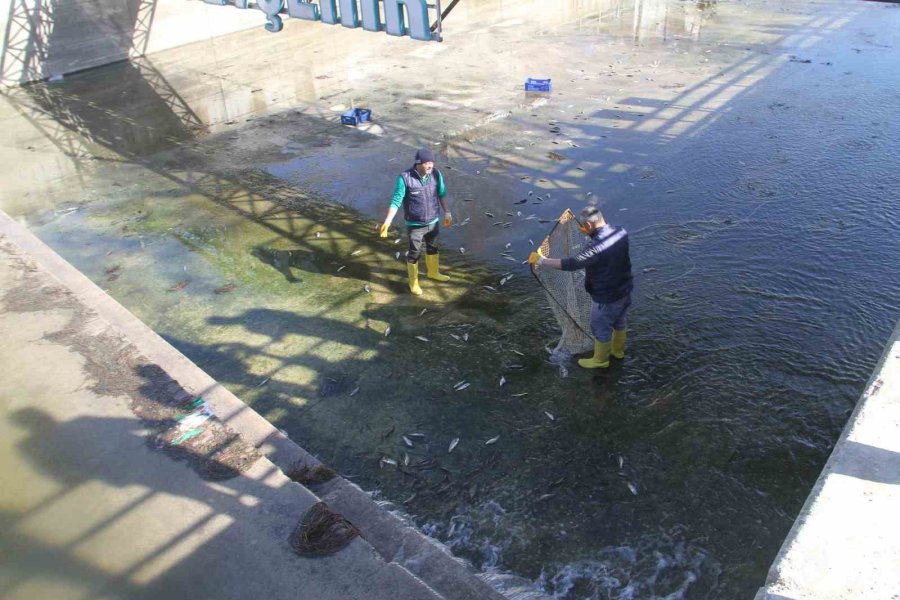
<point>383,230</point>
<point>536,258</point>
<point>448,219</point>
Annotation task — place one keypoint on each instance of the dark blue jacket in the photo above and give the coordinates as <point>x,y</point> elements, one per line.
<point>607,265</point>
<point>421,202</point>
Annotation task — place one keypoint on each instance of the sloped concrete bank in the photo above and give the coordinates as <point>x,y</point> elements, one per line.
<point>846,541</point>
<point>404,549</point>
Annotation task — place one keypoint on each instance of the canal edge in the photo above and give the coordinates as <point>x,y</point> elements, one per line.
<point>398,543</point>
<point>824,558</point>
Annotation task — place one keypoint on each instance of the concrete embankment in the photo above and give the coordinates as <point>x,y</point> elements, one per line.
<point>845,544</point>
<point>94,501</point>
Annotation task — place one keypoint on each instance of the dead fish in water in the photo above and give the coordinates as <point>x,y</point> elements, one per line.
<point>459,383</point>
<point>455,337</point>
<point>509,214</point>
<point>318,234</point>
<point>387,461</point>
<point>621,461</point>
<point>558,481</point>
<point>354,392</point>
<point>179,286</point>
<point>424,310</point>
<point>519,395</point>
<point>407,441</point>
<point>648,270</point>
<point>522,201</point>
<point>405,459</point>
<point>508,244</point>
<point>263,382</point>
<point>632,488</point>
<point>463,386</point>
<point>397,256</point>
<point>416,435</point>
<point>546,497</point>
<point>367,289</point>
<point>465,337</point>
<point>225,289</point>
<point>519,353</point>
<point>492,440</point>
<point>421,338</point>
<point>387,331</point>
<point>453,445</point>
<point>397,241</point>
<point>530,242</point>
<point>462,250</point>
<point>489,288</point>
<point>549,416</point>
<point>355,252</point>
<point>341,268</point>
<point>487,214</point>
<point>502,381</point>
<point>589,194</point>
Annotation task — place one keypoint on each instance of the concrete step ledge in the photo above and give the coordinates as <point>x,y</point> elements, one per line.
<point>409,552</point>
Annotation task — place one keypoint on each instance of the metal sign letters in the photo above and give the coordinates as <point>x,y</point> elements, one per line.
<point>349,13</point>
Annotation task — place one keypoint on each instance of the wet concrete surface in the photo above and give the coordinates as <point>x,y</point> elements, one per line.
<point>98,502</point>
<point>748,147</point>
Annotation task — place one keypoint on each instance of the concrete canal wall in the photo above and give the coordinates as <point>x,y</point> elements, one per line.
<point>846,541</point>
<point>46,39</point>
<point>391,550</point>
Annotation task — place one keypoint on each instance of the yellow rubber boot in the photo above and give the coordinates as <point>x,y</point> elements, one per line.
<point>413,269</point>
<point>600,360</point>
<point>618,344</point>
<point>433,263</point>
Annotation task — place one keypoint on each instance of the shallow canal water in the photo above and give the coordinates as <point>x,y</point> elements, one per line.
<point>751,151</point>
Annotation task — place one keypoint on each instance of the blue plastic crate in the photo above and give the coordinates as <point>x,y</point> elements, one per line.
<point>537,85</point>
<point>356,116</point>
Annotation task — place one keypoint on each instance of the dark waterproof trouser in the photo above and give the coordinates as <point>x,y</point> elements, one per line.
<point>429,234</point>
<point>607,317</point>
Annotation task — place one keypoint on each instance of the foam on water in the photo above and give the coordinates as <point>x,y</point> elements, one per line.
<point>656,568</point>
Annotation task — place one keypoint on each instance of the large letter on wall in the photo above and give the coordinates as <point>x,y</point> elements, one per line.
<point>272,8</point>
<point>371,17</point>
<point>418,18</point>
<point>349,17</point>
<point>306,10</point>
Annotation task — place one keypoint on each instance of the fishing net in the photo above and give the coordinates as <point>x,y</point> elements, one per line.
<point>322,531</point>
<point>306,475</point>
<point>570,303</point>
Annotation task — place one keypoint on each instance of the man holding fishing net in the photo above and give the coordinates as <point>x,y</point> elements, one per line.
<point>607,280</point>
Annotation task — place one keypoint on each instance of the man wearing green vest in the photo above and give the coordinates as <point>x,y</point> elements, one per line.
<point>420,191</point>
